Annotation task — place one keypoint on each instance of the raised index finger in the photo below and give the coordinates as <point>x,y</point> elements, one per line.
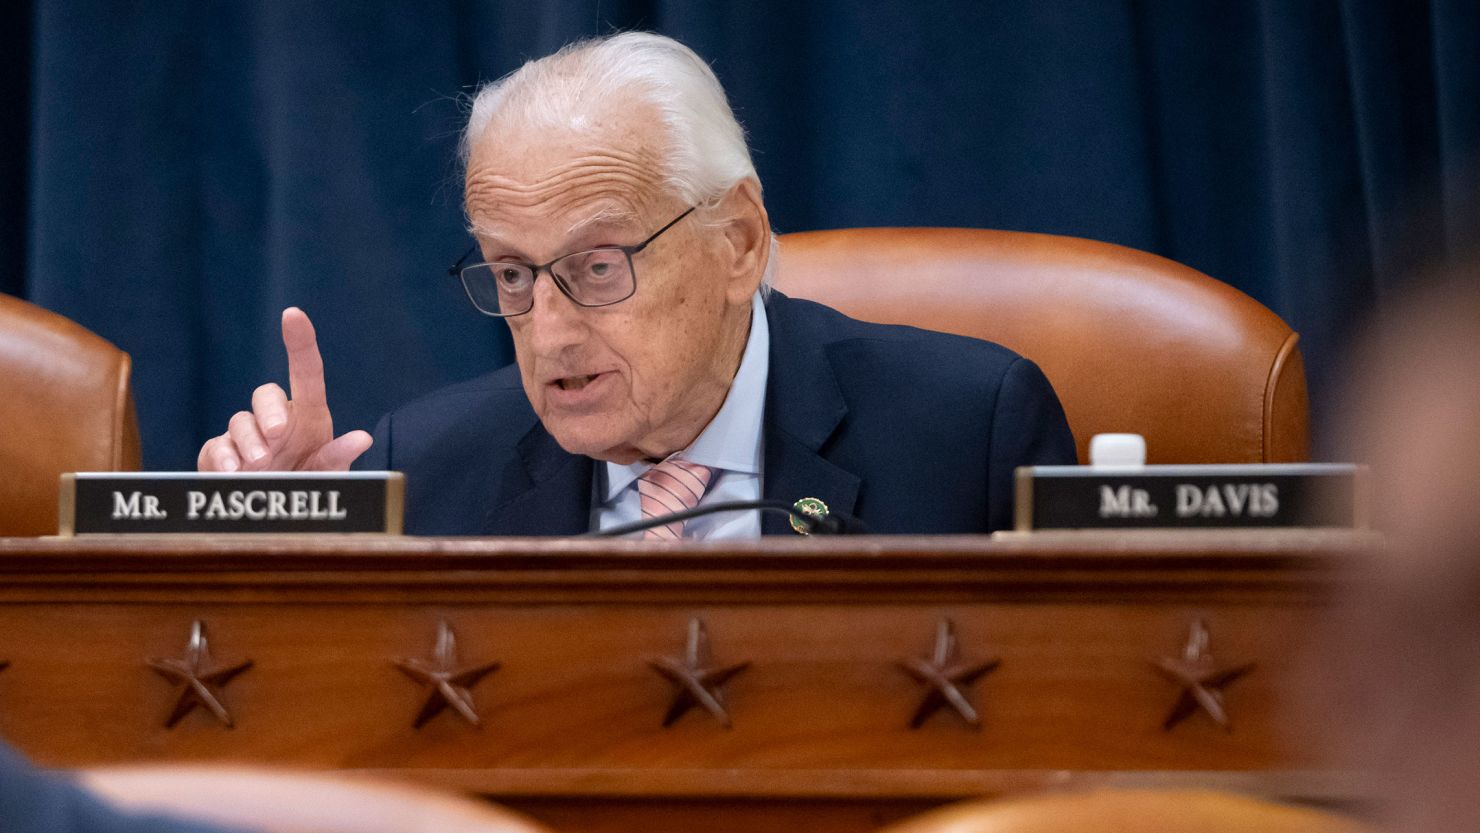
<point>305,365</point>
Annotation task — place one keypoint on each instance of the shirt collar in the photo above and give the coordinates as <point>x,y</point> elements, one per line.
<point>732,440</point>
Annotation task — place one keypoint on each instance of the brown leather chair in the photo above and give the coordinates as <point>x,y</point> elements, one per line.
<point>65,405</point>
<point>1132,342</point>
<point>1129,811</point>
<point>280,801</point>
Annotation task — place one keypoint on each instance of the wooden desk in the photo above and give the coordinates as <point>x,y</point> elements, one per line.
<point>572,722</point>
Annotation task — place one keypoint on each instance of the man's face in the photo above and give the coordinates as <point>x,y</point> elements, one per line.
<point>642,377</point>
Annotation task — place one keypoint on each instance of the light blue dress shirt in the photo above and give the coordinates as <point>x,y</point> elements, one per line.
<point>730,444</point>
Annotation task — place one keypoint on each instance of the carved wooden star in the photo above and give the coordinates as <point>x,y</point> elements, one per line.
<point>197,678</point>
<point>946,677</point>
<point>1201,679</point>
<point>446,684</point>
<point>694,681</point>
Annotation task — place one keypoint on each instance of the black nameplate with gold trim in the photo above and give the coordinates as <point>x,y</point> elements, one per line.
<point>1274,495</point>
<point>155,503</point>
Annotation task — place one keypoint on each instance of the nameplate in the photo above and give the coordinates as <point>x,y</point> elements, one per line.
<point>1275,495</point>
<point>155,503</point>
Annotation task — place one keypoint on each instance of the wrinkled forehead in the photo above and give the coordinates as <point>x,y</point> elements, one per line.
<point>604,167</point>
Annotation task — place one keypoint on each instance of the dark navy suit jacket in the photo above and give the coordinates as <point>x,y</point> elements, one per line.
<point>908,430</point>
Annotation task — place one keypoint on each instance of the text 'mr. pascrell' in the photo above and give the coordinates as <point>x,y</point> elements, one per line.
<point>193,502</point>
<point>236,504</point>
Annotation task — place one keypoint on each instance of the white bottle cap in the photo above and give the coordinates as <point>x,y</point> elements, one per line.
<point>1117,451</point>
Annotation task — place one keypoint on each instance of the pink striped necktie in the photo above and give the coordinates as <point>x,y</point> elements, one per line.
<point>671,486</point>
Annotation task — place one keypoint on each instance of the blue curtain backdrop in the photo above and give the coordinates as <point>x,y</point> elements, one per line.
<point>175,172</point>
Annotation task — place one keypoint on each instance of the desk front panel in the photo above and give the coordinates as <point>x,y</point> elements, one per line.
<point>574,713</point>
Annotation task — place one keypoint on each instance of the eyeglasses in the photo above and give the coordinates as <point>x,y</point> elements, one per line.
<point>591,278</point>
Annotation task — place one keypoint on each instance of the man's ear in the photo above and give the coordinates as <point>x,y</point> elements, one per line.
<point>747,231</point>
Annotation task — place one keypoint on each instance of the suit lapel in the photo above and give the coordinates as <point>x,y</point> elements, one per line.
<point>546,492</point>
<point>804,407</point>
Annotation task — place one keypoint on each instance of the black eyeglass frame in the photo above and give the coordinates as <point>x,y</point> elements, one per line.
<point>457,270</point>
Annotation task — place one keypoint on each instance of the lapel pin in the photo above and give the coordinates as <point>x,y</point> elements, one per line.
<point>811,507</point>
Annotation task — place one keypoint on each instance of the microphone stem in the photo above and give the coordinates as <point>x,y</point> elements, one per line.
<point>814,525</point>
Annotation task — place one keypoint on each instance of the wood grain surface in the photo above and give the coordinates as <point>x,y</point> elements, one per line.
<point>571,722</point>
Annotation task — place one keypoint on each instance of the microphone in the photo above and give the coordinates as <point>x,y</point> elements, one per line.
<point>824,523</point>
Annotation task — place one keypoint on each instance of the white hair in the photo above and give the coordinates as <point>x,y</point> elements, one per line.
<point>706,154</point>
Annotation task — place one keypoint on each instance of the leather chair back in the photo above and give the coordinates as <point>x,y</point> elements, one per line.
<point>65,405</point>
<point>1130,811</point>
<point>1132,342</point>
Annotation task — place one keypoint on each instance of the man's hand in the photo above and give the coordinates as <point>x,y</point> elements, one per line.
<point>282,434</point>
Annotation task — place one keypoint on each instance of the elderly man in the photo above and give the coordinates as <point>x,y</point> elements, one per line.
<point>624,239</point>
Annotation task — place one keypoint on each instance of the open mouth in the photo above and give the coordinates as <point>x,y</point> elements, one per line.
<point>575,382</point>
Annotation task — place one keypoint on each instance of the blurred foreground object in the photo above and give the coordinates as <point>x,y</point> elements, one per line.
<point>1129,811</point>
<point>65,405</point>
<point>37,801</point>
<point>1407,641</point>
<point>1132,342</point>
<point>299,802</point>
